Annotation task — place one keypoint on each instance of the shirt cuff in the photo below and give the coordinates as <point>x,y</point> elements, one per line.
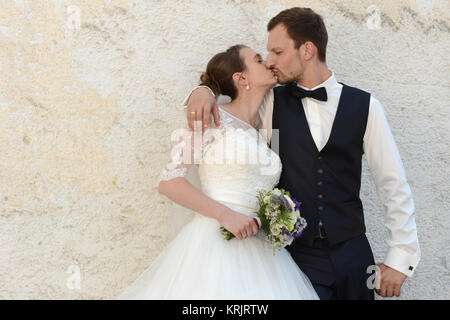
<point>402,261</point>
<point>187,97</point>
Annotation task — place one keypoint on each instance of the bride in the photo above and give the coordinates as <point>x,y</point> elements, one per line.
<point>199,263</point>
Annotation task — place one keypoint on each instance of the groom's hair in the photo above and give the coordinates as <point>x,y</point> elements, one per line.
<point>302,25</point>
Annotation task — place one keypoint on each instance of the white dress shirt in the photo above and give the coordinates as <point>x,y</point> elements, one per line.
<point>384,163</point>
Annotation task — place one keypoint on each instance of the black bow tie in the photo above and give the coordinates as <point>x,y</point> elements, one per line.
<point>319,93</point>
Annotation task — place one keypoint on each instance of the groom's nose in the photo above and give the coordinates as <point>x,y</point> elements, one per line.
<point>269,62</point>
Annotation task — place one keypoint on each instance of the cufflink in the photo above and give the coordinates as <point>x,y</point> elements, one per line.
<point>411,268</point>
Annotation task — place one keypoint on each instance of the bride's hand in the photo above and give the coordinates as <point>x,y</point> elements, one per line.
<point>239,224</point>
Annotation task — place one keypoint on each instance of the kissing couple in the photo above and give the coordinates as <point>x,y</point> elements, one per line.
<point>316,130</point>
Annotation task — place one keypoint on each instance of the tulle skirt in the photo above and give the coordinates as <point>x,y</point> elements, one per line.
<point>199,264</point>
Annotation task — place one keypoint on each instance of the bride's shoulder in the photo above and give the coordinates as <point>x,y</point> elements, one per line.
<point>228,126</point>
<point>225,119</point>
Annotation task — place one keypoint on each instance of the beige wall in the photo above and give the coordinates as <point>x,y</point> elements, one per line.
<point>90,93</point>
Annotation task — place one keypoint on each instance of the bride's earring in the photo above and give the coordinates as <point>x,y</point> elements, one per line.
<point>247,87</point>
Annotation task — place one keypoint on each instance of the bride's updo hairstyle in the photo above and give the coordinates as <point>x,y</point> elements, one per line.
<point>220,69</point>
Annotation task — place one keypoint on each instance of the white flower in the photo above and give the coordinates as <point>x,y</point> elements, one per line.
<point>289,200</point>
<point>276,228</point>
<point>277,192</point>
<point>292,217</point>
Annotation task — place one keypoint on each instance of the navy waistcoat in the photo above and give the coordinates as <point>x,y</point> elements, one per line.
<point>327,183</point>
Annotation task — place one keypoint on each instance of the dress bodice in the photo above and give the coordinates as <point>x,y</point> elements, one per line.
<point>238,163</point>
<point>235,162</point>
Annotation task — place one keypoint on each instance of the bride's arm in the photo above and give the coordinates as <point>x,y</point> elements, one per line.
<point>181,191</point>
<point>174,185</point>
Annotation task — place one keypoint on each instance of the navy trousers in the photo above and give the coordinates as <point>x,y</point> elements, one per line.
<point>337,272</point>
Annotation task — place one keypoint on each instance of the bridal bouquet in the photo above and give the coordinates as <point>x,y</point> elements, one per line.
<point>278,216</point>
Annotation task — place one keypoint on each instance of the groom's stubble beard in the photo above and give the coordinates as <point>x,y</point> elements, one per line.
<point>294,77</point>
<point>287,78</point>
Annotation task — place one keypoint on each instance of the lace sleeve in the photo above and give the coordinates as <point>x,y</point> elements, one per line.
<point>181,155</point>
<point>189,149</point>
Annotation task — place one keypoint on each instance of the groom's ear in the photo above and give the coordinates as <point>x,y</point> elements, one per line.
<point>308,50</point>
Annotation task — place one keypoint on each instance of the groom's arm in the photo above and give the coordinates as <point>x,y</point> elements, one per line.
<point>200,103</point>
<point>393,190</point>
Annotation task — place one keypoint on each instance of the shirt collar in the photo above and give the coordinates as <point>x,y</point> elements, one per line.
<point>329,84</point>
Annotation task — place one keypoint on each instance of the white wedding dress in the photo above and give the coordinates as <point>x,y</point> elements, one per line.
<point>199,263</point>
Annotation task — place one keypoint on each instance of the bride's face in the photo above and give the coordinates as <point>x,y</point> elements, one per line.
<point>256,73</point>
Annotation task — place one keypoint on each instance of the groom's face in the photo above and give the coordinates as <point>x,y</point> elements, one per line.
<point>284,60</point>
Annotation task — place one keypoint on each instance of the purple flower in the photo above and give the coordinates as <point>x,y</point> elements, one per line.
<point>298,234</point>
<point>297,205</point>
<point>276,199</point>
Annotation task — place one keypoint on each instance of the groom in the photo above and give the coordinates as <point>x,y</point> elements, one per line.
<point>324,128</point>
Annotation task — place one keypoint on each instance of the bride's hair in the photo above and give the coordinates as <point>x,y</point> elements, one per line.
<point>220,69</point>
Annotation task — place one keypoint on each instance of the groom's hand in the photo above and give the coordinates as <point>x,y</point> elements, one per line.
<point>391,281</point>
<point>200,105</point>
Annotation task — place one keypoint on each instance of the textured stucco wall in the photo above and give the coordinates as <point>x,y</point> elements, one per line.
<point>90,93</point>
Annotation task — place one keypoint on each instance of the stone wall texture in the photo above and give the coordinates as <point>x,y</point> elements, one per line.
<point>91,92</point>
